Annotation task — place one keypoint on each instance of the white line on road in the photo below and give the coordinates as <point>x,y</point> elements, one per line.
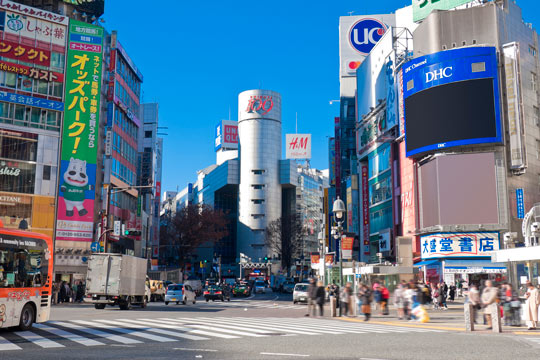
<point>39,340</point>
<point>132,332</point>
<point>6,345</point>
<point>186,349</point>
<point>91,331</point>
<point>70,336</point>
<point>282,354</point>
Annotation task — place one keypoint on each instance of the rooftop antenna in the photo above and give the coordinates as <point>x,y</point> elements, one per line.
<point>296,123</point>
<point>350,13</point>
<point>229,112</point>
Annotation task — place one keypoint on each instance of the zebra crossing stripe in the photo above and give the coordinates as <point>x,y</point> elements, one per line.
<point>38,340</point>
<point>289,327</point>
<point>271,326</point>
<point>144,331</point>
<point>91,331</point>
<point>145,324</point>
<point>212,321</point>
<point>329,326</point>
<point>143,334</point>
<point>220,329</point>
<point>315,327</point>
<point>70,336</point>
<point>7,345</point>
<point>177,325</point>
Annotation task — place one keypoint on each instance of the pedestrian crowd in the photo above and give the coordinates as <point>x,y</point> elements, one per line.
<point>411,300</point>
<point>64,292</point>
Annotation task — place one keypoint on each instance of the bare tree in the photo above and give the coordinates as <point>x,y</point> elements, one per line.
<point>285,237</point>
<point>192,227</point>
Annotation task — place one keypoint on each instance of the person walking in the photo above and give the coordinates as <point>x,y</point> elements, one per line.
<point>345,299</point>
<point>366,297</point>
<point>334,291</point>
<point>443,292</point>
<point>74,288</point>
<point>399,300</point>
<point>474,299</point>
<point>385,296</point>
<point>452,292</point>
<point>531,306</point>
<point>320,297</point>
<point>489,296</point>
<point>435,296</point>
<point>312,297</point>
<point>62,292</point>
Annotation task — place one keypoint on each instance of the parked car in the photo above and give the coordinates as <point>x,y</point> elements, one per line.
<point>288,287</point>
<point>259,287</point>
<point>179,293</point>
<point>300,293</point>
<point>240,290</point>
<point>215,292</point>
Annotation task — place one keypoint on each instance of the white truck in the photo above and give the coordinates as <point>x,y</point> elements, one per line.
<point>117,279</point>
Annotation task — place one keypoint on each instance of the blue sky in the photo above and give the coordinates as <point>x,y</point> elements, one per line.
<point>196,56</point>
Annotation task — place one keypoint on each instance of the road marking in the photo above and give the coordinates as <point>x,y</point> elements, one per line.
<point>250,321</point>
<point>283,354</point>
<point>38,340</point>
<point>110,336</point>
<point>526,333</point>
<point>142,333</point>
<point>144,330</point>
<point>142,325</point>
<point>7,345</point>
<point>186,349</point>
<point>406,325</point>
<point>224,336</point>
<point>176,326</point>
<point>212,321</point>
<point>70,336</point>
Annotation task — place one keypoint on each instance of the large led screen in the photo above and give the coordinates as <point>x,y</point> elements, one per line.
<point>451,99</point>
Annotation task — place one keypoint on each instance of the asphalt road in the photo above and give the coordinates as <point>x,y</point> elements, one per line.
<point>265,326</point>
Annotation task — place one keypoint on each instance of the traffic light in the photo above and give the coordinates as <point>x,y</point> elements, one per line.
<point>132,232</point>
<point>205,261</point>
<point>266,258</point>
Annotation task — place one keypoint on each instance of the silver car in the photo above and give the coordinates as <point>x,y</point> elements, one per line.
<point>300,293</point>
<point>179,293</point>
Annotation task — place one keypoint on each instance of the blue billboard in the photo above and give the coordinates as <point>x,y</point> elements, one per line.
<point>451,99</point>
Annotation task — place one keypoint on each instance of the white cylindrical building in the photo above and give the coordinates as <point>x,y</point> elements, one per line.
<point>259,136</point>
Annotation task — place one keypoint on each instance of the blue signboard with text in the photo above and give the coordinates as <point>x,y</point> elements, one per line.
<point>451,98</point>
<point>520,204</point>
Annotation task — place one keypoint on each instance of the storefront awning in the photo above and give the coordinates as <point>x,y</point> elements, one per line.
<point>426,262</point>
<point>473,266</point>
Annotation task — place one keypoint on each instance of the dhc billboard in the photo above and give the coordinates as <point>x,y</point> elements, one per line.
<point>451,99</point>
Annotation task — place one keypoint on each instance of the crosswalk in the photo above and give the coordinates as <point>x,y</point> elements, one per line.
<point>103,332</point>
<point>260,304</point>
<point>534,340</point>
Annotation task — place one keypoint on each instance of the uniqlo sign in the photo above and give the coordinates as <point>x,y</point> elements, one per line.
<point>226,135</point>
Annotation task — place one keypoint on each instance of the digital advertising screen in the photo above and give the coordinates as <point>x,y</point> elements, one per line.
<point>451,99</point>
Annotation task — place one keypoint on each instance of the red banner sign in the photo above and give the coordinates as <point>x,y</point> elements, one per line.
<point>315,257</point>
<point>34,73</point>
<point>25,53</point>
<point>329,259</point>
<point>365,209</point>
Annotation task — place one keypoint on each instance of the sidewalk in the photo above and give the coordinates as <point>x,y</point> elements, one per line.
<point>450,320</point>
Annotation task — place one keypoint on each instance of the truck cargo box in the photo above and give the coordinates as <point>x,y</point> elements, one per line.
<point>116,275</point>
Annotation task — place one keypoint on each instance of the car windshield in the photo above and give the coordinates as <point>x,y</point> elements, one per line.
<point>302,287</point>
<point>175,288</point>
<point>214,288</point>
<point>259,283</point>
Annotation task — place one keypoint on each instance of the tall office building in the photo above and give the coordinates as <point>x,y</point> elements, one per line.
<point>259,130</point>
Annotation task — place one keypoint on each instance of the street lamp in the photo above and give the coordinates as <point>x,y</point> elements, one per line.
<point>339,211</point>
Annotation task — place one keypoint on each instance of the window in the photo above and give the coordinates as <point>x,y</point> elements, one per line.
<point>46,172</point>
<point>534,82</point>
<point>257,172</point>
<point>257,187</point>
<point>257,201</point>
<point>23,266</point>
<point>11,80</point>
<point>148,134</point>
<point>536,116</point>
<point>538,149</point>
<point>532,50</point>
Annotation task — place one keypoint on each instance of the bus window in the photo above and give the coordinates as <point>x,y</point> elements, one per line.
<point>22,262</point>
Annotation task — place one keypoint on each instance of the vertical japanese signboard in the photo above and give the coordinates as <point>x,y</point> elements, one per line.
<point>365,210</point>
<point>76,194</point>
<point>518,155</point>
<point>347,247</point>
<point>520,204</point>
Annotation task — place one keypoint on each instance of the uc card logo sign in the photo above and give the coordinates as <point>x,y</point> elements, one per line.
<point>365,33</point>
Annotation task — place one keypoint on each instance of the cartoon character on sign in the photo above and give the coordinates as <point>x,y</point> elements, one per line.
<point>74,186</point>
<point>3,317</point>
<point>14,23</point>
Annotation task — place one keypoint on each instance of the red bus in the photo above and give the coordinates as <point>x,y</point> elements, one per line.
<point>26,270</point>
